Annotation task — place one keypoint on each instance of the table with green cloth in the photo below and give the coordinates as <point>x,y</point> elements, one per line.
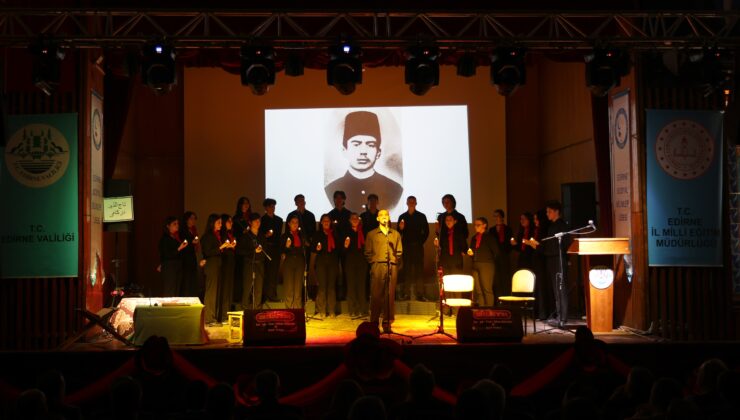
<point>180,324</point>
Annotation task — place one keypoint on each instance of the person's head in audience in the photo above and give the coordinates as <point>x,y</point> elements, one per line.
<point>579,389</point>
<point>706,378</point>
<point>347,392</point>
<point>639,384</point>
<point>664,391</point>
<point>31,404</point>
<point>472,404</point>
<point>195,396</point>
<point>683,409</point>
<point>581,409</point>
<point>220,402</point>
<point>125,398</point>
<point>367,408</point>
<point>155,357</point>
<point>266,385</point>
<point>495,397</point>
<point>52,384</point>
<point>367,328</point>
<point>421,383</point>
<point>502,375</point>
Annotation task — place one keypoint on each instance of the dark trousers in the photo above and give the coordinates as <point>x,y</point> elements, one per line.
<point>253,278</point>
<point>380,298</point>
<point>502,286</point>
<point>171,277</point>
<point>210,300</point>
<point>327,271</point>
<point>355,270</point>
<point>190,285</point>
<point>561,305</point>
<point>483,281</point>
<point>413,270</point>
<point>272,269</point>
<point>451,264</point>
<point>226,292</point>
<point>543,292</point>
<point>238,280</point>
<point>293,268</point>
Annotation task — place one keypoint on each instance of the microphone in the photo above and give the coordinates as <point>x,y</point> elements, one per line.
<point>591,223</point>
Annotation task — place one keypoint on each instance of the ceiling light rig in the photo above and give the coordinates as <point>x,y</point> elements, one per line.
<point>258,68</point>
<point>344,70</point>
<point>508,71</point>
<point>422,68</point>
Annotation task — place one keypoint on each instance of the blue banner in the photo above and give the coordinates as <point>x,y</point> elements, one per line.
<point>684,188</point>
<point>38,184</point>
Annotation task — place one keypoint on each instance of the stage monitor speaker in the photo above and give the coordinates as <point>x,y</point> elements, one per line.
<point>117,188</point>
<point>579,203</point>
<point>274,327</point>
<point>489,324</point>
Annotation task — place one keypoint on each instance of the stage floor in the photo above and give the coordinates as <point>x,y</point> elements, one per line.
<point>340,330</point>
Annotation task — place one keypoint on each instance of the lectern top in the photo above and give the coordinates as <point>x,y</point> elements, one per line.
<point>600,246</point>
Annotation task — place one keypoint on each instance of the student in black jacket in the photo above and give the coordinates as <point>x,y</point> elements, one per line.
<point>270,228</point>
<point>241,226</point>
<point>228,260</point>
<point>306,219</point>
<point>526,253</point>
<point>212,246</point>
<point>461,224</point>
<point>170,248</point>
<point>249,249</point>
<point>355,267</point>
<point>325,245</point>
<point>191,284</point>
<point>484,250</point>
<point>293,246</point>
<point>453,245</point>
<point>414,229</point>
<point>502,233</point>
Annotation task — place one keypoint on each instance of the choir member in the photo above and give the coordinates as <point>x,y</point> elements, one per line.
<point>414,229</point>
<point>504,236</point>
<point>249,250</point>
<point>325,247</point>
<point>543,288</point>
<point>213,247</point>
<point>241,226</point>
<point>355,267</point>
<point>228,261</point>
<point>306,219</point>
<point>294,245</point>
<point>383,250</point>
<point>453,245</point>
<point>191,285</point>
<point>484,249</point>
<point>170,256</point>
<point>461,225</point>
<point>339,215</point>
<point>526,253</point>
<point>369,217</point>
<point>270,228</point>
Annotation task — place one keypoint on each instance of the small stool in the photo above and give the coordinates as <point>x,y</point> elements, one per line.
<point>235,323</point>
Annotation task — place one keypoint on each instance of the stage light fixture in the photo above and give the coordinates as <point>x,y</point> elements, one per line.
<point>422,69</point>
<point>605,68</point>
<point>344,70</point>
<point>466,65</point>
<point>507,69</point>
<point>293,65</point>
<point>46,71</point>
<point>158,67</point>
<point>258,68</point>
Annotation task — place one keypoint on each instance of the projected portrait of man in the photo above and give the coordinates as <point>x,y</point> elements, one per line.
<point>361,147</point>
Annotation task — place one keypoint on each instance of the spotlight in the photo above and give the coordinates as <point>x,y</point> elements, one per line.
<point>158,67</point>
<point>258,68</point>
<point>710,70</point>
<point>344,70</point>
<point>466,65</point>
<point>507,69</point>
<point>46,70</point>
<point>293,65</point>
<point>604,69</point>
<point>422,69</point>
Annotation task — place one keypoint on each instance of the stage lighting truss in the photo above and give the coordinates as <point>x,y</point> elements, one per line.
<point>344,70</point>
<point>422,68</point>
<point>258,68</point>
<point>46,72</point>
<point>158,67</point>
<point>507,69</point>
<point>604,69</point>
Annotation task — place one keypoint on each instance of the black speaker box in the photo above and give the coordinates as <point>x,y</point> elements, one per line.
<point>489,324</point>
<point>274,327</point>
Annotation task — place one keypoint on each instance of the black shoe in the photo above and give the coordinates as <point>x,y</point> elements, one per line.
<point>561,325</point>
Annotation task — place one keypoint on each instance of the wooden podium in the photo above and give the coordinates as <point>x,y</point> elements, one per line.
<point>599,297</point>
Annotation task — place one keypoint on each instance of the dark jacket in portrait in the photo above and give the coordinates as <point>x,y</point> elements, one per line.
<point>357,190</point>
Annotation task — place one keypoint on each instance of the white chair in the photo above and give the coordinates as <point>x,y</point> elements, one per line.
<point>452,283</point>
<point>522,292</point>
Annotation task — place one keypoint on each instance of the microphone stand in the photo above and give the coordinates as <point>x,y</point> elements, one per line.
<point>306,266</point>
<point>441,327</point>
<point>387,290</point>
<point>559,276</point>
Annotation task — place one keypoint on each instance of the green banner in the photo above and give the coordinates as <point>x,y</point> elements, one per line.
<point>38,184</point>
